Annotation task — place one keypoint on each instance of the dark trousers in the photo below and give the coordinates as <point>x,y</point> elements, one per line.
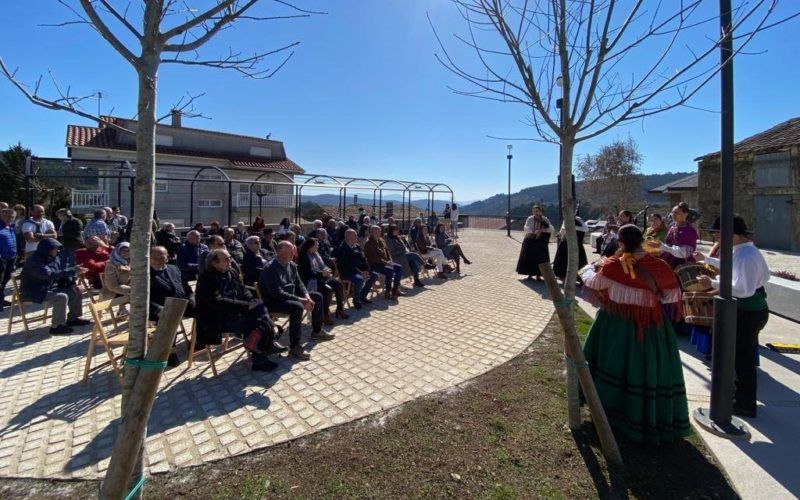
<point>328,289</point>
<point>361,287</point>
<point>6,269</point>
<point>393,273</point>
<point>748,325</point>
<point>415,263</point>
<point>599,244</point>
<point>294,308</point>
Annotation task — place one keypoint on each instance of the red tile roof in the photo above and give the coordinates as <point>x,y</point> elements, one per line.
<point>104,138</point>
<point>779,137</point>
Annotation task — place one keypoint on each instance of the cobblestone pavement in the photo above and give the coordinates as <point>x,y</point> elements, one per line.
<point>52,426</point>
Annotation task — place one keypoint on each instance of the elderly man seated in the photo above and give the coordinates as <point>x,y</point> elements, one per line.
<point>353,267</point>
<point>224,304</point>
<point>380,260</point>
<point>45,279</point>
<point>189,255</point>
<point>93,258</point>
<point>214,242</point>
<point>316,225</point>
<point>235,248</point>
<point>255,259</point>
<point>166,281</point>
<point>363,230</point>
<point>167,238</point>
<point>284,292</point>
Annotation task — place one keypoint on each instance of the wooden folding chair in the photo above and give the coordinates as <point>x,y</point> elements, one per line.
<point>88,289</point>
<point>107,333</point>
<point>225,348</point>
<point>18,302</point>
<point>281,320</point>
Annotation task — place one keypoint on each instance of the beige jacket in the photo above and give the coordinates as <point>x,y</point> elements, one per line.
<point>117,282</point>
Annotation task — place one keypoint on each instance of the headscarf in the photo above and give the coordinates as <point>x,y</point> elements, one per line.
<point>116,256</point>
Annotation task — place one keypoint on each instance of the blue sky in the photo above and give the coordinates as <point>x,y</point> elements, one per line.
<point>364,96</point>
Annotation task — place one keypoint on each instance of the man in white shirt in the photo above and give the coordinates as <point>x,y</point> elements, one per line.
<point>37,228</point>
<point>750,274</point>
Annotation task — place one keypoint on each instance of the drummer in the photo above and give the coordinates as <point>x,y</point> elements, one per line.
<point>681,240</point>
<point>750,274</point>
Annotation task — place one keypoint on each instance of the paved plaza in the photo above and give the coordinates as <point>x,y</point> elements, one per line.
<point>52,426</point>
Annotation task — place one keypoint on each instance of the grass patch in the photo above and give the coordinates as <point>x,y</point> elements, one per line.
<point>583,322</point>
<point>502,436</point>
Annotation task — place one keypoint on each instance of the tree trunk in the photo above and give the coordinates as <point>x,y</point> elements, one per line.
<point>568,216</point>
<point>144,201</point>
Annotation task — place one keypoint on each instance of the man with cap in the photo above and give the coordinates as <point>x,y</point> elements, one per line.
<point>46,279</point>
<point>750,274</point>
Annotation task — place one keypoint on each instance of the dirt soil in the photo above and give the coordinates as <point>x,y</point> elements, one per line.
<point>499,436</point>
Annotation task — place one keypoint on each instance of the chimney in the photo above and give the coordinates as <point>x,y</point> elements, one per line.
<point>176,118</point>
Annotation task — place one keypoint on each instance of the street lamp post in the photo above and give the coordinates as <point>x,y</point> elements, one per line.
<point>508,211</point>
<point>717,418</point>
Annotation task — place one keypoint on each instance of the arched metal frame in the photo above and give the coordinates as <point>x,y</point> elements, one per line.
<point>297,182</point>
<point>191,192</point>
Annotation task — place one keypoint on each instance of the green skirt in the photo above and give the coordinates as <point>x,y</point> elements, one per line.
<point>639,383</point>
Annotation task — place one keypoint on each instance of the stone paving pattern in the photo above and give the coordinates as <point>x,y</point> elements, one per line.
<point>51,426</point>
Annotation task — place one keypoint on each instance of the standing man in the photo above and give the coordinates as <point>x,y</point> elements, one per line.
<point>750,274</point>
<point>37,228</point>
<point>98,227</point>
<point>284,292</point>
<point>118,223</point>
<point>70,234</point>
<point>8,251</point>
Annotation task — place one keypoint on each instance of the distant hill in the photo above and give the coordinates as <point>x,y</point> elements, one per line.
<point>365,199</point>
<point>548,194</point>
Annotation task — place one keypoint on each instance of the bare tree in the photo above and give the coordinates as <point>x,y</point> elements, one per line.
<point>164,32</point>
<point>579,68</point>
<point>612,177</point>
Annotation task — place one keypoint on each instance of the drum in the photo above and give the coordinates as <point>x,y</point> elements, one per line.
<point>688,275</point>
<point>698,308</point>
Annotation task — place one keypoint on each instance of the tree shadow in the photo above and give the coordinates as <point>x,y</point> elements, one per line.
<point>672,470</point>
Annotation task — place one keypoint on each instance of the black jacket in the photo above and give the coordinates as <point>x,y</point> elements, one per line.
<point>236,250</point>
<point>221,299</point>
<point>170,241</point>
<point>71,233</point>
<point>279,283</point>
<point>350,260</point>
<point>253,265</point>
<point>43,273</point>
<point>305,271</point>
<point>168,283</point>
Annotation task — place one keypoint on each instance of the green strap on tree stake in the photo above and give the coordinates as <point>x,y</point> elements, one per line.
<point>136,487</point>
<point>570,361</point>
<point>146,364</point>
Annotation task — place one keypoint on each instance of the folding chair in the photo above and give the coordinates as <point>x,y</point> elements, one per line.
<point>276,316</point>
<point>208,349</point>
<point>88,289</point>
<point>18,302</point>
<point>107,333</point>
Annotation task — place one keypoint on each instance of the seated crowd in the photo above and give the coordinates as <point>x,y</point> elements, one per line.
<point>243,274</point>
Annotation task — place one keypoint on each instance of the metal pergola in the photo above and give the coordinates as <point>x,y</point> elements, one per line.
<point>74,170</point>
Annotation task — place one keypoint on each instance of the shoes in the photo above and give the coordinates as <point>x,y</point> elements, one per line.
<point>741,411</point>
<point>61,330</point>
<point>322,336</point>
<point>327,320</point>
<point>357,305</point>
<point>6,303</point>
<point>419,284</point>
<point>173,360</point>
<point>398,293</point>
<point>341,314</point>
<point>441,276</point>
<point>388,295</point>
<point>430,266</point>
<point>277,348</point>
<point>467,261</point>
<point>78,322</point>
<point>365,300</point>
<point>297,352</point>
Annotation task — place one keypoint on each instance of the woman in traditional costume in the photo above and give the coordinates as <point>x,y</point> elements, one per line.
<point>631,348</point>
<point>534,246</point>
<point>656,229</point>
<point>681,240</point>
<point>560,262</point>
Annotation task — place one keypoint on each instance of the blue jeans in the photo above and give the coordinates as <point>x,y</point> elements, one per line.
<point>393,273</point>
<point>359,285</point>
<point>415,263</point>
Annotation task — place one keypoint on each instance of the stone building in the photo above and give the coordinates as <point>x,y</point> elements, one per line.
<point>766,185</point>
<point>683,189</point>
<point>192,171</point>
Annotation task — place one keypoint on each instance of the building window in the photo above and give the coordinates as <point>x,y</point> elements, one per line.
<point>211,177</point>
<point>773,169</point>
<point>163,140</point>
<point>263,152</point>
<point>161,187</point>
<point>209,203</point>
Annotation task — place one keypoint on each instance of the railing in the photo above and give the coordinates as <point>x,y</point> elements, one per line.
<point>490,222</point>
<point>89,199</point>
<point>267,201</point>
